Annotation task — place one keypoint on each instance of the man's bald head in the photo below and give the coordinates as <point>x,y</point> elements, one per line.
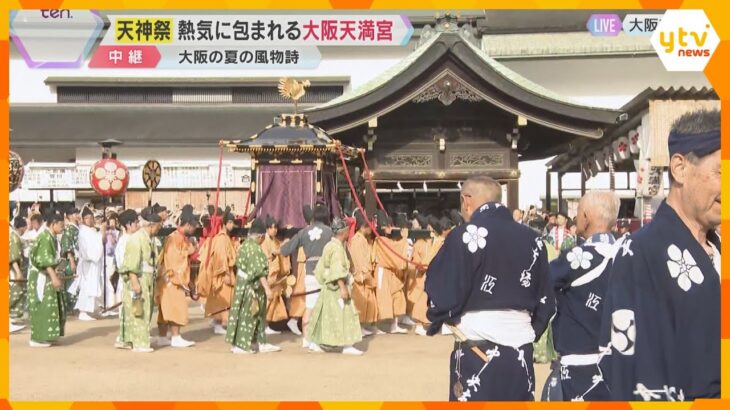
<point>483,188</point>
<point>477,191</point>
<point>597,213</point>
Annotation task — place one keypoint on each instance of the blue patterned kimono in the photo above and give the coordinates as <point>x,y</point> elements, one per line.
<point>579,278</point>
<point>662,314</point>
<point>490,263</point>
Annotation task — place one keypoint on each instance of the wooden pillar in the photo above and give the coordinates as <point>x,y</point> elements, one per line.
<point>560,191</point>
<point>548,191</point>
<point>628,180</point>
<point>513,194</point>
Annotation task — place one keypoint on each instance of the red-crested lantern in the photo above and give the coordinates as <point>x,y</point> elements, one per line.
<point>16,171</point>
<point>109,177</point>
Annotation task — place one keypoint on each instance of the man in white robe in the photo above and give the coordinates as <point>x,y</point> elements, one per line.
<point>89,267</point>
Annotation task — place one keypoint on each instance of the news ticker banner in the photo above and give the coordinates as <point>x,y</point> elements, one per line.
<point>64,38</point>
<point>683,39</point>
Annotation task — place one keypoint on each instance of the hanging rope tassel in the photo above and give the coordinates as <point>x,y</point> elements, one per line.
<point>360,207</point>
<point>215,220</point>
<point>372,184</point>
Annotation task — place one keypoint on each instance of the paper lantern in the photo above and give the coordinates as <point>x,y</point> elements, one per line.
<point>622,148</point>
<point>16,171</point>
<point>109,177</point>
<point>634,141</point>
<point>614,150</point>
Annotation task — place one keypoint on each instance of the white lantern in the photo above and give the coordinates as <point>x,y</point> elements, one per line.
<point>622,148</point>
<point>634,140</point>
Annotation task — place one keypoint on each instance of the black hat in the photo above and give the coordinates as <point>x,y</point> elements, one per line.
<point>72,210</point>
<point>127,217</point>
<point>149,215</point>
<point>423,220</point>
<point>258,227</point>
<point>455,217</point>
<point>400,220</point>
<point>321,214</point>
<point>52,215</point>
<point>19,223</point>
<point>441,224</point>
<point>382,218</point>
<point>158,209</point>
<point>228,216</point>
<point>86,212</point>
<point>188,218</point>
<point>270,221</point>
<point>307,213</point>
<point>446,223</point>
<point>359,218</point>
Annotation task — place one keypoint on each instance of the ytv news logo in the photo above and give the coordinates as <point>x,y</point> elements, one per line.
<point>685,40</point>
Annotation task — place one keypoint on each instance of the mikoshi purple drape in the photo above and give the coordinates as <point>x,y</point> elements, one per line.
<point>329,192</point>
<point>283,190</point>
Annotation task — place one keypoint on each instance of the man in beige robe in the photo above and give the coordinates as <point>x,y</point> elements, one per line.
<point>297,304</point>
<point>216,278</point>
<point>424,251</point>
<point>391,264</point>
<point>364,284</point>
<point>279,269</point>
<point>173,279</point>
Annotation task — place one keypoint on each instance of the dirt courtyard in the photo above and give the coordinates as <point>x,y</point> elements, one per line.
<point>85,367</point>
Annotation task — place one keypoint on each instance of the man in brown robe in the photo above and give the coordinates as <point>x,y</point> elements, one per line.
<point>279,269</point>
<point>424,252</point>
<point>363,287</point>
<point>217,275</point>
<point>391,264</point>
<point>416,276</point>
<point>297,304</point>
<point>173,279</point>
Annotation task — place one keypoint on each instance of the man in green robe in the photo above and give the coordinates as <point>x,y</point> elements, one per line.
<point>18,294</point>
<point>138,273</point>
<point>247,317</point>
<point>69,247</point>
<point>334,320</point>
<point>129,222</point>
<point>46,294</point>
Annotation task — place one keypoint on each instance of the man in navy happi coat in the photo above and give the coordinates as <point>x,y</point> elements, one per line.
<point>490,281</point>
<point>662,307</point>
<point>579,276</point>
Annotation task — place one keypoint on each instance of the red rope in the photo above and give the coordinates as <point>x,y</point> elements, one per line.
<point>372,184</point>
<point>244,218</point>
<point>215,219</point>
<point>360,207</point>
